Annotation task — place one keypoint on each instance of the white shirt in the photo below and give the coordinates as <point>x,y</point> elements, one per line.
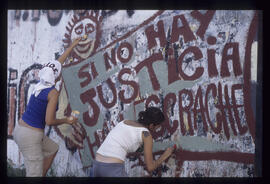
<point>122,139</point>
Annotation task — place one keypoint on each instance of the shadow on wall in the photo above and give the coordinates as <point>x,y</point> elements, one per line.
<point>13,171</point>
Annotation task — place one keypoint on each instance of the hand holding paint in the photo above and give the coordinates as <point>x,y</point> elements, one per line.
<point>175,141</point>
<point>176,146</point>
<point>74,116</point>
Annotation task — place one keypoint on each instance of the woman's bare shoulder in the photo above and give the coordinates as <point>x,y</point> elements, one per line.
<point>53,93</point>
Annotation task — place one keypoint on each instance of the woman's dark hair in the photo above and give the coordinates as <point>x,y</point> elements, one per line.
<point>151,115</point>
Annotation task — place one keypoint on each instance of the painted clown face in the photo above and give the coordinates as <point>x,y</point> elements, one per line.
<point>86,45</point>
<point>87,26</point>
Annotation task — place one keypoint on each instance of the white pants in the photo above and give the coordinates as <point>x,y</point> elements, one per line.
<point>34,146</point>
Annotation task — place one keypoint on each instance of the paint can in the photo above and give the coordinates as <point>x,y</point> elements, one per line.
<point>75,114</point>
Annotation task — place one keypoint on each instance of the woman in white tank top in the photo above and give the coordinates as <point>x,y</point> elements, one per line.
<point>127,136</point>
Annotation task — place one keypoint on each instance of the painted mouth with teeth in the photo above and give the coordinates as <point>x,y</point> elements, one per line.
<point>84,48</point>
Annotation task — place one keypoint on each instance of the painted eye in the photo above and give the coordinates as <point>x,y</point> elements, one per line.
<point>52,65</point>
<point>89,28</point>
<point>79,29</point>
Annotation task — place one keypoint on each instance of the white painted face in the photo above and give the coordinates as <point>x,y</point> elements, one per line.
<point>86,45</point>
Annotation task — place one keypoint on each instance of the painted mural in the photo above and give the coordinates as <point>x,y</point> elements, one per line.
<point>200,67</point>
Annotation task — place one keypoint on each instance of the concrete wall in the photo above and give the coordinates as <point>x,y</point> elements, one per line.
<point>199,66</point>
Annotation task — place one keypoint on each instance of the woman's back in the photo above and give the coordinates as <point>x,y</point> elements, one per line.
<point>122,139</point>
<point>35,112</point>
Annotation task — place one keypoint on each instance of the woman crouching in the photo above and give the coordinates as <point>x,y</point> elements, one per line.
<point>127,136</point>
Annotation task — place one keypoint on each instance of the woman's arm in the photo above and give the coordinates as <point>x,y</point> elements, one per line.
<point>51,111</point>
<point>152,164</point>
<point>64,56</point>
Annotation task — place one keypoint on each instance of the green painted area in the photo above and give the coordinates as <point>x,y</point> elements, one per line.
<point>72,82</point>
<point>193,143</point>
<point>161,72</point>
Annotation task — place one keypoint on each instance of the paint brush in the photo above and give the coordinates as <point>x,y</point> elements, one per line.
<point>175,145</point>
